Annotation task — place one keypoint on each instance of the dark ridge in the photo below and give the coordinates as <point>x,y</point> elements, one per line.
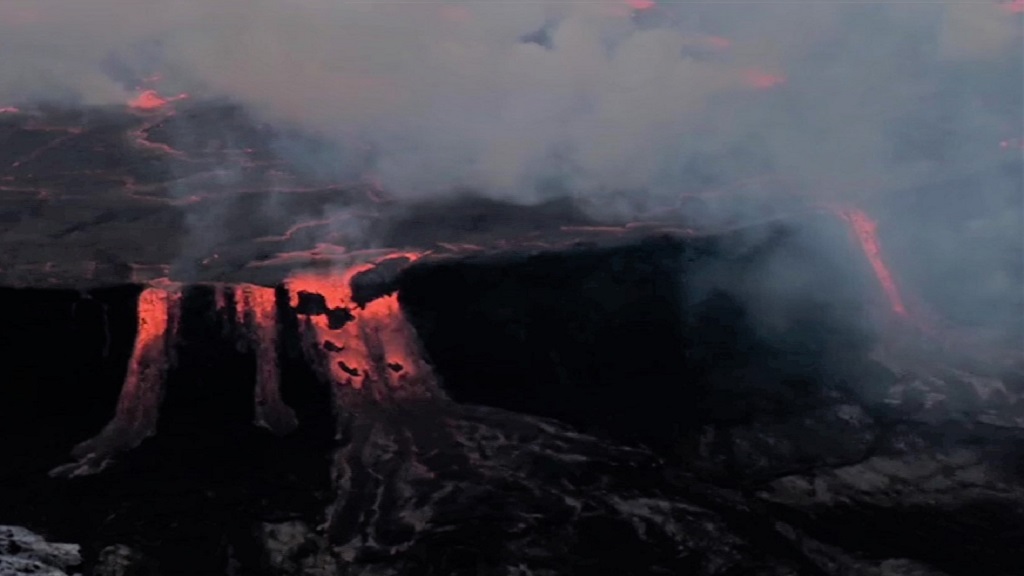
<point>474,219</point>
<point>64,356</point>
<point>643,342</point>
<point>194,489</point>
<point>377,282</point>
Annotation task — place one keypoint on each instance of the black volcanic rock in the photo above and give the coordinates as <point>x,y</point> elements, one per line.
<point>604,409</point>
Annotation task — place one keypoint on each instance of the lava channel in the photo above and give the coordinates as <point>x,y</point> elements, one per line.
<point>256,310</point>
<point>866,231</point>
<point>138,406</point>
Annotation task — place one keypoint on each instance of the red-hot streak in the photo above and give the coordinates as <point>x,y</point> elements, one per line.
<point>866,231</point>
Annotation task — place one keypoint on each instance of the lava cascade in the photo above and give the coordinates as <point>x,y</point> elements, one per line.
<point>359,345</point>
<point>256,309</point>
<point>138,405</point>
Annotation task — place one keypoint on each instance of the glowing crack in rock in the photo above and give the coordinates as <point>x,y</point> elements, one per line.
<point>358,345</point>
<point>866,231</point>
<point>138,405</point>
<point>256,309</point>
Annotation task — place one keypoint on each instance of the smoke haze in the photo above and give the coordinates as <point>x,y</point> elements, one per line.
<point>913,110</point>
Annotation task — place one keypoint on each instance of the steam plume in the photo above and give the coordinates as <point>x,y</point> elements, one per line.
<point>885,104</point>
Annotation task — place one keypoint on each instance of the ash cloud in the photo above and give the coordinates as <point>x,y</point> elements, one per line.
<point>913,111</point>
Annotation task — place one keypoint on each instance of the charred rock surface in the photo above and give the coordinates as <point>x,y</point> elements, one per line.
<point>595,410</point>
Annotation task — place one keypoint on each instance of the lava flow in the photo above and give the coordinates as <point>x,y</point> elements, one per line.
<point>866,231</point>
<point>150,100</point>
<point>256,309</point>
<point>139,403</point>
<point>359,343</point>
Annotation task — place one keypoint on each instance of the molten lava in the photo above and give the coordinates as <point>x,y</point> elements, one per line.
<point>360,344</point>
<point>256,309</point>
<point>150,100</point>
<point>139,402</point>
<point>866,231</point>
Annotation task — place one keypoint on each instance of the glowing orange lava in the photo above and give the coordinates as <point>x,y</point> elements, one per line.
<point>150,100</point>
<point>762,80</point>
<point>139,402</point>
<point>866,231</point>
<point>373,343</point>
<point>256,309</point>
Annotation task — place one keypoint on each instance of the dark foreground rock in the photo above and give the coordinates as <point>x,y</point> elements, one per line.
<point>594,411</point>
<point>23,552</point>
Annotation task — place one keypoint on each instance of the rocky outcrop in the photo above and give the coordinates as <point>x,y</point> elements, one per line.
<point>121,560</point>
<point>25,553</point>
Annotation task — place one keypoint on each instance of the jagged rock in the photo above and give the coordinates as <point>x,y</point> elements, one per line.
<point>23,552</point>
<point>292,548</point>
<point>121,560</point>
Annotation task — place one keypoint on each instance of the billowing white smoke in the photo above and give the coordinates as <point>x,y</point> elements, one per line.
<point>447,93</point>
<point>443,94</point>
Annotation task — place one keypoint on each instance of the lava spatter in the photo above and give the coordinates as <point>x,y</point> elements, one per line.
<point>138,405</point>
<point>256,309</point>
<point>866,231</point>
<point>358,345</point>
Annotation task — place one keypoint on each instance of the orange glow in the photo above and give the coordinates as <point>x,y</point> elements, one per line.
<point>762,80</point>
<point>256,309</point>
<point>375,345</point>
<point>640,5</point>
<point>866,231</point>
<point>139,403</point>
<point>149,100</point>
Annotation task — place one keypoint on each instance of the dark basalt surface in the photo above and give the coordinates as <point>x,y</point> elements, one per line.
<point>598,410</point>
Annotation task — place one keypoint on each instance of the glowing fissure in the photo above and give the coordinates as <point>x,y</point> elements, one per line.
<point>866,231</point>
<point>358,345</point>
<point>138,405</point>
